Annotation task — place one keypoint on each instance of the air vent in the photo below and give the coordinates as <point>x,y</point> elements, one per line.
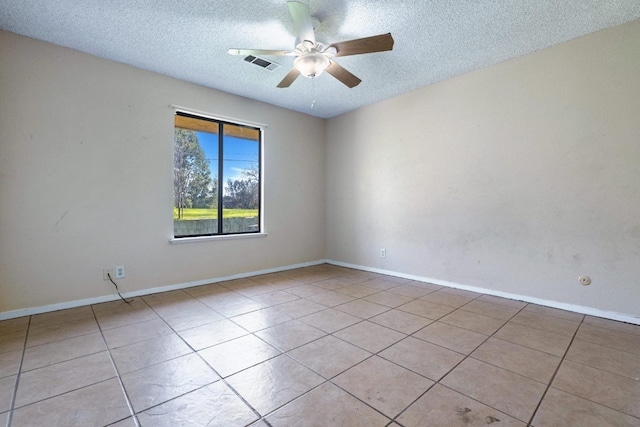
<point>262,63</point>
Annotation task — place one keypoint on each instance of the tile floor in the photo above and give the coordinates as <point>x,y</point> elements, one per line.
<point>318,346</point>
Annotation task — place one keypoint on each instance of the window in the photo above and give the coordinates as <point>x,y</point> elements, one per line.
<point>216,181</point>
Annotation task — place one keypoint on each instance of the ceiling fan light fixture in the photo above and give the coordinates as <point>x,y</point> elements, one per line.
<point>311,64</point>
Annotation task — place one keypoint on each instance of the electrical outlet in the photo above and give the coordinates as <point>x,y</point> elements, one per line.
<point>383,253</point>
<point>584,280</point>
<point>106,272</point>
<point>119,271</point>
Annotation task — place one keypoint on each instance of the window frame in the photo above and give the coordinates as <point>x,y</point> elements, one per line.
<point>221,122</point>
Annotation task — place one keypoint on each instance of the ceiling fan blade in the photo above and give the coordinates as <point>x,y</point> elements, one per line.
<point>289,78</point>
<point>261,52</point>
<point>378,43</point>
<point>343,75</point>
<point>302,20</point>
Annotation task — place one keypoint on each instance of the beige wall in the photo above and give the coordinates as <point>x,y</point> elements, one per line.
<point>86,179</point>
<point>517,178</point>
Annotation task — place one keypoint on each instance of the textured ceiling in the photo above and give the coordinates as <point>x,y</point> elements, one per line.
<point>434,40</point>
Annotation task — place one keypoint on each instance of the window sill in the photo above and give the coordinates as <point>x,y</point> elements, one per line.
<point>210,238</point>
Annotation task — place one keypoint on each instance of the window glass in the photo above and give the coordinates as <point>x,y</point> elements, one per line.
<point>240,163</point>
<point>216,177</point>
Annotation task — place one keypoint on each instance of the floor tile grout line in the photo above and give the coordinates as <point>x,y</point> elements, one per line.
<point>68,391</point>
<point>230,318</point>
<point>372,354</point>
<point>489,337</point>
<point>432,321</point>
<point>330,380</point>
<point>323,309</point>
<point>221,378</point>
<point>443,376</point>
<point>61,339</point>
<point>510,320</point>
<point>324,381</point>
<point>263,418</point>
<point>383,312</point>
<point>17,381</point>
<point>556,317</point>
<point>524,345</point>
<point>438,383</point>
<point>458,364</point>
<point>393,419</point>
<point>595,402</point>
<point>598,369</point>
<point>470,355</point>
<point>65,360</point>
<point>297,361</point>
<point>357,398</point>
<point>602,370</point>
<point>555,373</point>
<point>333,290</point>
<point>406,335</point>
<point>118,376</point>
<point>608,346</point>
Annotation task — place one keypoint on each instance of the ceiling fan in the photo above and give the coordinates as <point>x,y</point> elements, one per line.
<point>312,57</point>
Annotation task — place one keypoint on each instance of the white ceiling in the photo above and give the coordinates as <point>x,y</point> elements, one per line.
<point>434,40</point>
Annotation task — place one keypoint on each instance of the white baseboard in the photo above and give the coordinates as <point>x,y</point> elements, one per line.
<point>627,318</point>
<point>106,298</point>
